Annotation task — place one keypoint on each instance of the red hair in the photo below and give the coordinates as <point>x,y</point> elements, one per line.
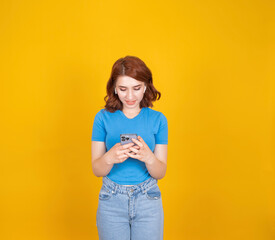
<point>133,67</point>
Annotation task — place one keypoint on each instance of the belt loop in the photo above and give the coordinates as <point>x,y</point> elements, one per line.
<point>143,189</point>
<point>114,189</point>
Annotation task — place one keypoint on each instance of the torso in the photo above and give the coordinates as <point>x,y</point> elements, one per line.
<point>131,116</point>
<point>146,124</point>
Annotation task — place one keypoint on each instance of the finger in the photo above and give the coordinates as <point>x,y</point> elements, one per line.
<point>119,161</point>
<point>126,145</point>
<point>136,156</point>
<point>124,151</point>
<point>122,158</point>
<point>141,140</point>
<point>137,142</point>
<point>134,150</point>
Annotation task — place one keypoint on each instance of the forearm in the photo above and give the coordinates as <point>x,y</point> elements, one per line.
<point>101,167</point>
<point>156,168</point>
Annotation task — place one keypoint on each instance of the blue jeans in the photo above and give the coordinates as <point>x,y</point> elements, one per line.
<point>130,212</point>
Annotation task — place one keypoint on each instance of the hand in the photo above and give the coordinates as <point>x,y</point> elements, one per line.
<point>117,154</point>
<point>142,151</point>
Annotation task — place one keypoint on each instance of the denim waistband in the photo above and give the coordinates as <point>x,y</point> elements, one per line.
<point>141,187</point>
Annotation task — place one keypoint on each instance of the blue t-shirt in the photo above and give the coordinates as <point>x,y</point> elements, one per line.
<point>150,124</point>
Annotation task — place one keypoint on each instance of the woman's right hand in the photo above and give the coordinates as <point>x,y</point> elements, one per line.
<point>117,153</point>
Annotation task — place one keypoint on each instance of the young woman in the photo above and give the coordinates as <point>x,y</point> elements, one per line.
<point>130,203</point>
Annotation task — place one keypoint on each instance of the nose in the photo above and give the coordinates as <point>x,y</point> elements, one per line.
<point>130,95</point>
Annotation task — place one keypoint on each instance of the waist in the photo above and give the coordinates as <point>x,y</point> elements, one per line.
<point>115,187</point>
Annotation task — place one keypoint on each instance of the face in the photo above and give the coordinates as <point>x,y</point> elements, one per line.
<point>130,91</point>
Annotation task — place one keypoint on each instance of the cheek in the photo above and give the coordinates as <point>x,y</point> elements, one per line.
<point>140,95</point>
<point>122,94</point>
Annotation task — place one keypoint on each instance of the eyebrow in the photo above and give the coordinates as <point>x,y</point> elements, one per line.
<point>133,86</point>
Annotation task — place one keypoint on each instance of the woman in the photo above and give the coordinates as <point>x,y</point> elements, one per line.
<point>130,203</point>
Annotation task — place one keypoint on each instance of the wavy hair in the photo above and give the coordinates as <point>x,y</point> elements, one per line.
<point>133,67</point>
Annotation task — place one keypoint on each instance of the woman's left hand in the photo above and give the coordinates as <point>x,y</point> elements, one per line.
<point>142,151</point>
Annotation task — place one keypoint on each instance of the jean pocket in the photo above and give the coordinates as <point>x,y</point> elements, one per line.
<point>153,193</point>
<point>105,193</point>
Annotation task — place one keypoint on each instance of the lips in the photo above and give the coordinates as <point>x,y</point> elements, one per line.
<point>130,103</point>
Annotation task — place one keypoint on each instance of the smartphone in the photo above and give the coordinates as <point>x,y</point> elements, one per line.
<point>127,138</point>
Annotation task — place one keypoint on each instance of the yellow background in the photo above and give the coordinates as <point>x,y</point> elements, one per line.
<point>213,62</point>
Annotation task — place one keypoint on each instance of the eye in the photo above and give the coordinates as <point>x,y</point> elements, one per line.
<point>122,90</point>
<point>137,89</point>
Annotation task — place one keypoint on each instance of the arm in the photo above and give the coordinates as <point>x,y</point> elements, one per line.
<point>157,165</point>
<point>102,161</point>
<point>154,161</point>
<point>100,165</point>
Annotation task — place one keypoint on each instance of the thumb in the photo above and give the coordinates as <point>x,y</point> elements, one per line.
<point>140,139</point>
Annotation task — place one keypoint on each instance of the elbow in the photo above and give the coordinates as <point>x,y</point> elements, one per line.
<point>160,177</point>
<point>97,174</point>
<point>163,174</point>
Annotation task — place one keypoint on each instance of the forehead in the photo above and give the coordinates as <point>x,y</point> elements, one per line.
<point>127,81</point>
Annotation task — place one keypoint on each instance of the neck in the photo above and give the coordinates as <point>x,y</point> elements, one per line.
<point>131,111</point>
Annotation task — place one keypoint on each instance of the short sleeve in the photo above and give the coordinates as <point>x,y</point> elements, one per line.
<point>99,131</point>
<point>162,134</point>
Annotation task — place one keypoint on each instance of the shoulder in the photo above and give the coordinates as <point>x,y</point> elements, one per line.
<point>157,114</point>
<point>99,114</point>
<point>105,116</point>
<point>102,113</point>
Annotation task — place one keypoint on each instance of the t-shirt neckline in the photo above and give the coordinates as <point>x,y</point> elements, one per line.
<point>137,116</point>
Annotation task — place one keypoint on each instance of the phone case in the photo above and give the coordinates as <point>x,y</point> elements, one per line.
<point>127,138</point>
